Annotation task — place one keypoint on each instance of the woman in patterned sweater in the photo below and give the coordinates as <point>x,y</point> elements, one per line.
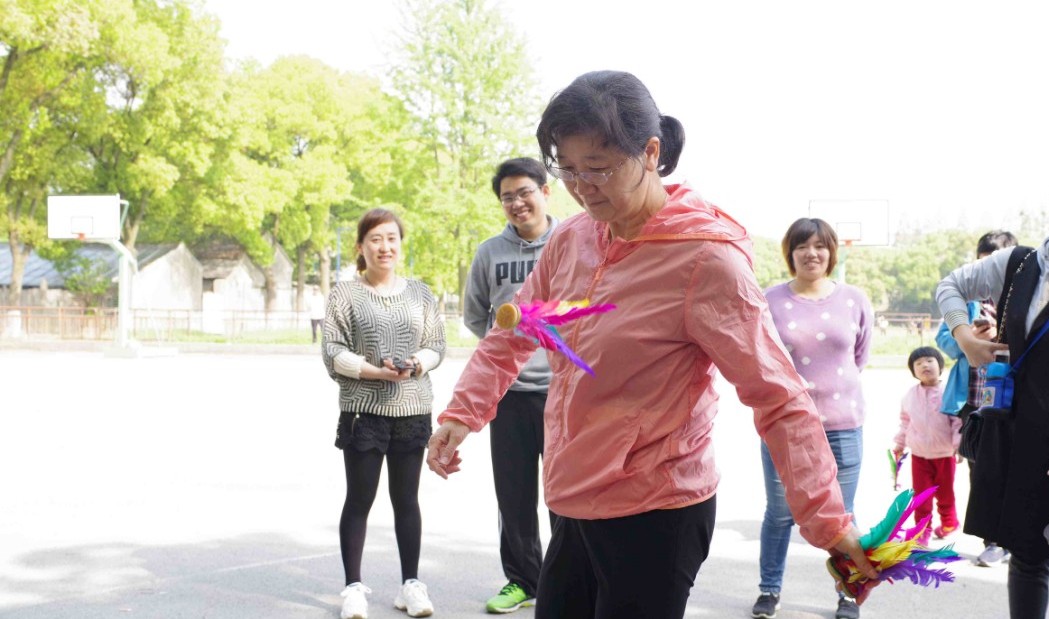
<point>382,335</point>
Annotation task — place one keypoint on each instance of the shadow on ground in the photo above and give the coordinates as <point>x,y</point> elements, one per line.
<point>275,576</point>
<point>257,576</point>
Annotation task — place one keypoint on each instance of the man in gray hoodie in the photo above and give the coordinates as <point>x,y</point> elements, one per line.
<point>498,271</point>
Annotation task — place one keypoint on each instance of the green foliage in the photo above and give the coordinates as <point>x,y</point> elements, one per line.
<point>464,76</point>
<point>86,279</point>
<point>903,278</point>
<point>561,204</point>
<point>154,126</point>
<point>132,97</point>
<point>310,154</point>
<point>867,269</point>
<point>769,267</point>
<point>49,51</point>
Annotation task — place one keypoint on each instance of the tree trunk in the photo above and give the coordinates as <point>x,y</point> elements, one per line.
<point>325,270</point>
<point>271,288</point>
<point>7,160</point>
<point>463,271</point>
<point>300,277</point>
<point>19,257</point>
<point>133,226</point>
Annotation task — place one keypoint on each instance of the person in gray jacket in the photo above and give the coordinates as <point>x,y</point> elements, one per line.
<point>499,269</point>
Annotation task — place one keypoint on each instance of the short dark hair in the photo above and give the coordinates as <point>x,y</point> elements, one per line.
<point>801,231</point>
<point>995,240</point>
<point>522,166</point>
<point>615,107</point>
<point>924,351</point>
<point>368,221</point>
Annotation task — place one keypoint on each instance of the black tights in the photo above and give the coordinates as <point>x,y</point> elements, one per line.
<point>362,483</point>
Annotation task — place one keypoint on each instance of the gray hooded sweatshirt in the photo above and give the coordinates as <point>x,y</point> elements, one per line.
<point>498,271</point>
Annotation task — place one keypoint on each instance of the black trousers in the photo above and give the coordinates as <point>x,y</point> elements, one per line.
<point>517,445</point>
<point>1028,586</point>
<point>636,567</point>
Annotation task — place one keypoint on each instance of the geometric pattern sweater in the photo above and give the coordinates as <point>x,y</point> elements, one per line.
<point>377,327</point>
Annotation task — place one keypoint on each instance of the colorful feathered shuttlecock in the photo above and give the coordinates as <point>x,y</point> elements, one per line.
<point>539,320</point>
<point>895,464</point>
<point>895,552</point>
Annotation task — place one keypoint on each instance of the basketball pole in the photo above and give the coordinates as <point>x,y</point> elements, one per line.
<point>843,260</point>
<point>128,266</point>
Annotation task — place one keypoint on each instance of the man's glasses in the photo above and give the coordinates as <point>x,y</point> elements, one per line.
<point>510,199</point>
<point>592,178</point>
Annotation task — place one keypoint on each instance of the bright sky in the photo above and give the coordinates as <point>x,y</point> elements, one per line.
<point>939,108</point>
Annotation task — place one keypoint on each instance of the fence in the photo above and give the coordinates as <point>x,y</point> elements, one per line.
<point>77,323</point>
<point>67,323</point>
<point>912,322</point>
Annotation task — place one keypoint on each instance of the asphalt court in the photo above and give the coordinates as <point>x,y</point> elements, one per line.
<point>206,485</point>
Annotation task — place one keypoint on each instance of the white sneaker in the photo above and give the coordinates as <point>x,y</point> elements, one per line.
<point>355,601</point>
<point>413,598</point>
<point>990,555</point>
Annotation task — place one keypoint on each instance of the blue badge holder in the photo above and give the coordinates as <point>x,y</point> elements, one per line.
<point>998,388</point>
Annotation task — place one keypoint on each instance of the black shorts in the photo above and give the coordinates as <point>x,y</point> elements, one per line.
<point>364,431</point>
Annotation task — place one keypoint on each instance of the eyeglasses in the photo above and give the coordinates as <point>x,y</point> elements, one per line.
<point>592,178</point>
<point>510,199</point>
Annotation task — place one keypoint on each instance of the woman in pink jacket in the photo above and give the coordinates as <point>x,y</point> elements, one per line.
<point>629,460</point>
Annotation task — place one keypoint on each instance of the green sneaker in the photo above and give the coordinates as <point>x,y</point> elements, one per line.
<point>510,598</point>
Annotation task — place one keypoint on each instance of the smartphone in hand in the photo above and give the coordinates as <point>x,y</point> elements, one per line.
<point>981,323</point>
<point>403,365</point>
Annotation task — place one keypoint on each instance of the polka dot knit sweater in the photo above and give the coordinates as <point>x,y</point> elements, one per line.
<point>829,341</point>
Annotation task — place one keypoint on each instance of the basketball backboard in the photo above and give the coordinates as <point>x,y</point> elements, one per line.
<point>88,218</point>
<point>857,222</point>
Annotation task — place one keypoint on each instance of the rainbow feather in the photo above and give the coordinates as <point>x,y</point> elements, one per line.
<point>895,464</point>
<point>917,574</point>
<point>896,553</point>
<point>539,320</point>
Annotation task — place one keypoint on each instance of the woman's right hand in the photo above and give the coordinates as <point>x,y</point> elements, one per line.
<point>386,372</point>
<point>977,351</point>
<point>442,455</point>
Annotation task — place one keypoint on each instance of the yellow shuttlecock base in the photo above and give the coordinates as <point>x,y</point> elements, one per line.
<point>508,316</point>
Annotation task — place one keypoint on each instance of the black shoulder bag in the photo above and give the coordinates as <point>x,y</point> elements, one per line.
<point>992,422</point>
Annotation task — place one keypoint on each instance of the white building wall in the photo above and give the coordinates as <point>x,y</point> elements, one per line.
<point>172,282</point>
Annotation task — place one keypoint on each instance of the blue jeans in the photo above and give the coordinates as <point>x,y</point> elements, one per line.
<point>847,446</point>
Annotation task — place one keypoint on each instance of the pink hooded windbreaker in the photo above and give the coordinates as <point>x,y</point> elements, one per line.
<point>637,436</point>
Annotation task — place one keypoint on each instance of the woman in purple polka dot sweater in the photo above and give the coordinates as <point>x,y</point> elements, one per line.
<point>826,327</point>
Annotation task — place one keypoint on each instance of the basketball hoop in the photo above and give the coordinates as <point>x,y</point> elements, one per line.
<point>80,237</point>
<point>848,243</point>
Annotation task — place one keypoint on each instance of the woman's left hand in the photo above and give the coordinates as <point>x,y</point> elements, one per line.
<point>395,374</point>
<point>977,351</point>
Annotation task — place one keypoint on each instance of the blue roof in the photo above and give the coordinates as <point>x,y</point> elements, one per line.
<point>38,269</point>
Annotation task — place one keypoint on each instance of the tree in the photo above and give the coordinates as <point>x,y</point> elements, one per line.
<point>465,77</point>
<point>769,267</point>
<point>48,52</point>
<point>868,268</point>
<point>920,261</point>
<point>159,119</point>
<point>310,149</point>
<point>85,279</point>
